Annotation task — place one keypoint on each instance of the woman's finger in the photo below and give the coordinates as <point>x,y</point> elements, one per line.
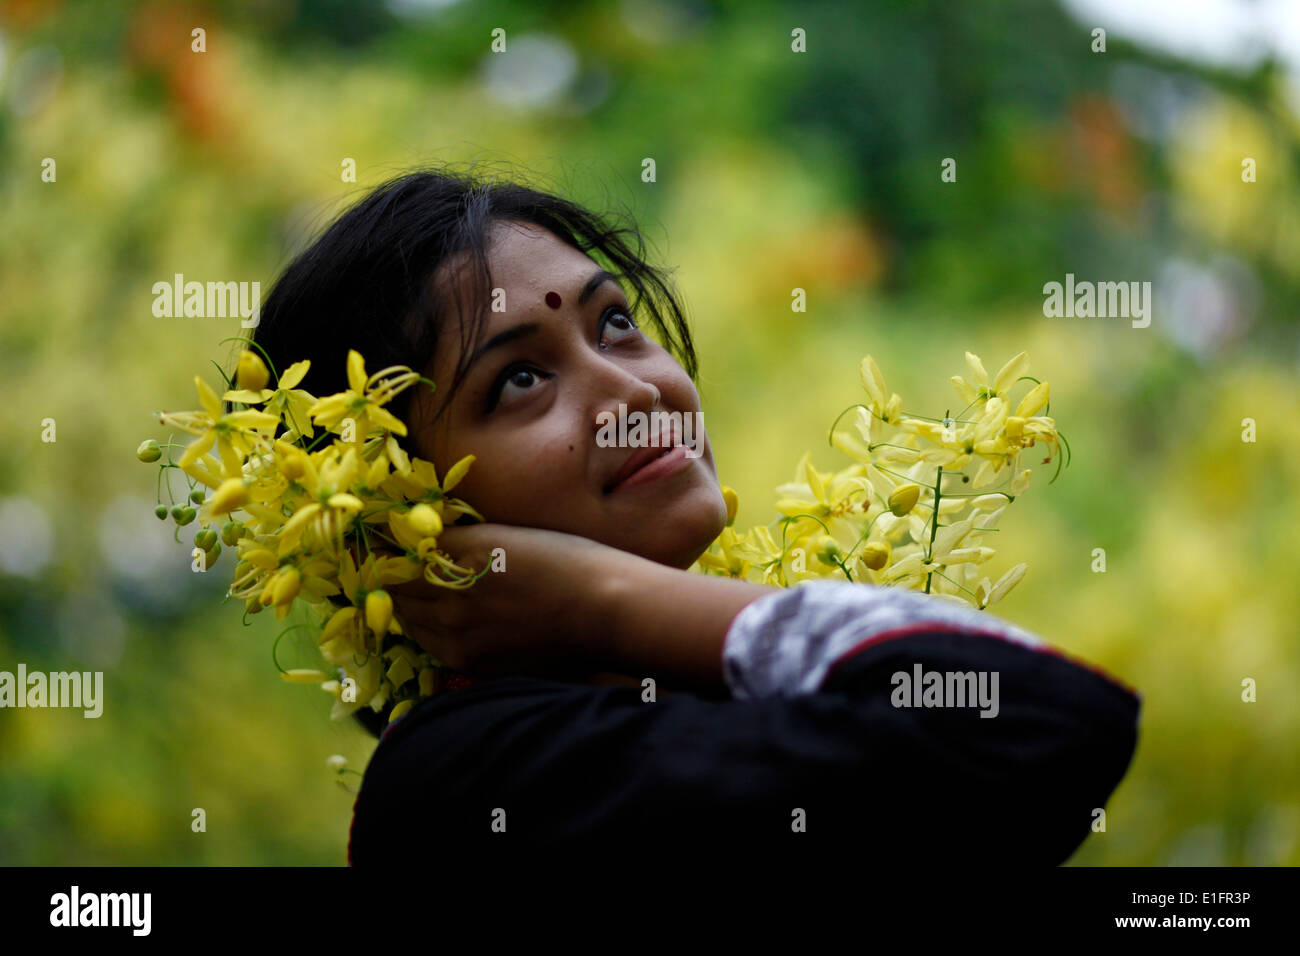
<point>422,623</point>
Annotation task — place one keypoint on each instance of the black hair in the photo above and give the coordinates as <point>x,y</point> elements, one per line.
<point>367,282</point>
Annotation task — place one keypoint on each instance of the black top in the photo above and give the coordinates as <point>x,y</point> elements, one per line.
<point>574,765</point>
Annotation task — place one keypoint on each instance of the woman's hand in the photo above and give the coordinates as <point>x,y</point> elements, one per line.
<point>540,616</point>
<point>567,607</point>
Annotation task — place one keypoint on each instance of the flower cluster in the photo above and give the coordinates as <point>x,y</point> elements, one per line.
<point>900,514</point>
<point>322,507</point>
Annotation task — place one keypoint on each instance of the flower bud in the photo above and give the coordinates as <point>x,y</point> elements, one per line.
<point>875,555</point>
<point>903,499</point>
<point>285,585</point>
<point>401,709</point>
<point>205,539</point>
<point>346,502</point>
<point>733,502</point>
<point>379,611</point>
<point>428,681</point>
<point>293,461</point>
<point>186,516</point>
<point>826,549</point>
<point>339,620</point>
<point>894,410</point>
<point>425,520</point>
<point>231,532</point>
<point>230,494</point>
<point>304,676</point>
<point>251,372</point>
<point>197,496</point>
<point>148,451</point>
<point>161,512</point>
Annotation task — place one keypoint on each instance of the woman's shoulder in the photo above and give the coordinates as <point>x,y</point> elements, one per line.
<point>490,720</point>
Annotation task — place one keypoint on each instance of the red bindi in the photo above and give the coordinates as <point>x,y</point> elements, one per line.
<point>553,299</point>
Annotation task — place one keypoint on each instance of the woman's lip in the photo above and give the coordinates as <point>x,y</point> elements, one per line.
<point>667,464</point>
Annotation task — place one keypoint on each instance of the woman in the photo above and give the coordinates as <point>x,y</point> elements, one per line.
<point>613,695</point>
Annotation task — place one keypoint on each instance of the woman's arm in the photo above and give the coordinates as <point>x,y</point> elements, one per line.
<point>674,624</point>
<point>668,624</point>
<point>567,607</point>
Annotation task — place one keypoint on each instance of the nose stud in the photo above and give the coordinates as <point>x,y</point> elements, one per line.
<point>553,299</point>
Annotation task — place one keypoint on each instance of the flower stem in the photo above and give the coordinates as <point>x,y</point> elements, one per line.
<point>934,523</point>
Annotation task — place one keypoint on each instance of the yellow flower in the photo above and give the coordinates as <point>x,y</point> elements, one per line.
<point>402,667</point>
<point>362,401</point>
<point>367,678</point>
<point>293,404</point>
<point>421,484</point>
<point>887,409</point>
<point>732,501</point>
<point>235,435</point>
<point>898,544</point>
<point>337,623</point>
<point>807,497</point>
<point>992,593</point>
<point>1038,396</point>
<point>760,550</point>
<point>727,560</point>
<point>981,389</point>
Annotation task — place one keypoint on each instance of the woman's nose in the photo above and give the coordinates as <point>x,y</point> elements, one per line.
<point>635,394</point>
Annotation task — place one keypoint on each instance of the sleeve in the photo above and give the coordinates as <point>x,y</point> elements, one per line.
<point>868,720</point>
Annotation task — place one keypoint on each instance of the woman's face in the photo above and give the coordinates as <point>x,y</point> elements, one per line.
<point>531,405</point>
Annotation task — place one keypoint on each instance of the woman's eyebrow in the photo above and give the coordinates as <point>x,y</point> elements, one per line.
<point>589,288</point>
<point>597,279</point>
<point>501,338</point>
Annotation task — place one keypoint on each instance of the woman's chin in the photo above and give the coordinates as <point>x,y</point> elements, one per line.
<point>682,544</point>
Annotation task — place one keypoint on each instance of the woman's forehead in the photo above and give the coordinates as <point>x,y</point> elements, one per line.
<point>529,254</point>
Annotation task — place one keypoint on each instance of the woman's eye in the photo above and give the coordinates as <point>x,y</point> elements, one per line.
<point>616,325</point>
<point>521,377</point>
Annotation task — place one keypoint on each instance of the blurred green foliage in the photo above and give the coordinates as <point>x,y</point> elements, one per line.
<point>775,170</point>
